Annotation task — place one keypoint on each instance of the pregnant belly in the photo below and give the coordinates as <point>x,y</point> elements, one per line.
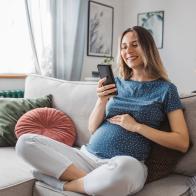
<point>111,140</point>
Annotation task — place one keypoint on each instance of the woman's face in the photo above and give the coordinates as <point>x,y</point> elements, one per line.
<point>131,51</point>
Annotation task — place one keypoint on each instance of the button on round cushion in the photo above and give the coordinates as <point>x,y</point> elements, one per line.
<point>49,122</point>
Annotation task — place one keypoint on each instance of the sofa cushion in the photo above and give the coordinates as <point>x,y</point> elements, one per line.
<point>41,189</point>
<point>173,185</point>
<point>74,98</point>
<point>49,122</point>
<point>16,178</point>
<point>11,109</point>
<point>187,164</point>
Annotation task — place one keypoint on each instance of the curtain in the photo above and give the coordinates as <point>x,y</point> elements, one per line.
<point>70,34</point>
<point>58,34</point>
<point>40,29</point>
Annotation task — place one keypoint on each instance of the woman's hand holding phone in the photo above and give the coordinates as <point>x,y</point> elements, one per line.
<point>104,92</point>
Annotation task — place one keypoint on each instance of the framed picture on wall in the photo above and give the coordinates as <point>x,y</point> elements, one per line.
<point>154,22</point>
<point>100,29</point>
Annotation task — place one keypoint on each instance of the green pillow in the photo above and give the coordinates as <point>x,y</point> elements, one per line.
<point>3,143</point>
<point>11,109</point>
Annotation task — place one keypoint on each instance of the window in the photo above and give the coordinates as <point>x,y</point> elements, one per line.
<point>16,56</point>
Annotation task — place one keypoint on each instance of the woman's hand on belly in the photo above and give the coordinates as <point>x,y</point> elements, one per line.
<point>126,121</point>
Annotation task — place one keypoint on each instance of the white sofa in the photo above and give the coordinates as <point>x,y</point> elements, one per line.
<point>77,99</point>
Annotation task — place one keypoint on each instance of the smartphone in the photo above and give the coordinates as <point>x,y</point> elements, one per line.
<point>106,71</point>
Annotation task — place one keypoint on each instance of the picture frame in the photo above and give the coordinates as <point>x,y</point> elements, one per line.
<point>154,22</point>
<point>100,30</point>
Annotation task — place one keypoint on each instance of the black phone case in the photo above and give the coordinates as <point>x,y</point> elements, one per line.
<point>106,71</point>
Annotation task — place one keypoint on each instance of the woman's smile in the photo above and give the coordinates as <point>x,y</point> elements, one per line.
<point>132,58</point>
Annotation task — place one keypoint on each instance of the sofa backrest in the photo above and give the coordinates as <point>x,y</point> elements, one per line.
<point>75,98</point>
<point>187,165</point>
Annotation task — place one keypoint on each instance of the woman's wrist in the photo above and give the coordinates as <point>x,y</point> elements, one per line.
<point>138,128</point>
<point>101,101</point>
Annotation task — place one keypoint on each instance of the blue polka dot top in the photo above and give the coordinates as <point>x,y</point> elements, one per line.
<point>147,102</point>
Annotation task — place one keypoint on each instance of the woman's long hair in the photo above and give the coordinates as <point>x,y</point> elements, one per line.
<point>152,61</point>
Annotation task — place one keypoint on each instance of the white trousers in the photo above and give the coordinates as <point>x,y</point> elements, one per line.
<point>118,176</point>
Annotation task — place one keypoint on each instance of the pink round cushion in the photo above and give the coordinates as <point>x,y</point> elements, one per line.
<point>49,122</point>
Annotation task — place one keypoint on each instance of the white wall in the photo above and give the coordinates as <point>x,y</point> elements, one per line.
<point>11,84</point>
<point>90,63</point>
<point>179,44</point>
<point>179,40</point>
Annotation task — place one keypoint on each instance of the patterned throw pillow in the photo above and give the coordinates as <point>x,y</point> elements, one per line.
<point>49,122</point>
<point>11,109</point>
<point>162,160</point>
